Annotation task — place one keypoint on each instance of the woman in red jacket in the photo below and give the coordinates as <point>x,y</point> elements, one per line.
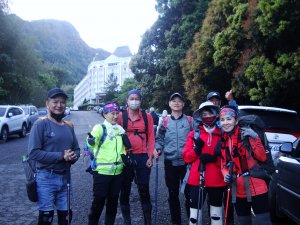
<point>247,191</point>
<point>199,151</point>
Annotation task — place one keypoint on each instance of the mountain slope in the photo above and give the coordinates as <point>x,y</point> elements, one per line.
<point>60,46</point>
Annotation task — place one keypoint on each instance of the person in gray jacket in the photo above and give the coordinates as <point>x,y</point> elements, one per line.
<point>170,139</point>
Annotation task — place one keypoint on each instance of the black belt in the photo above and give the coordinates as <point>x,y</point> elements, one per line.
<point>60,172</point>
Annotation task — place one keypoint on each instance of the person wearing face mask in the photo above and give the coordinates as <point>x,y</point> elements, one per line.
<point>199,151</point>
<point>248,192</point>
<point>107,172</point>
<point>139,129</point>
<point>54,147</point>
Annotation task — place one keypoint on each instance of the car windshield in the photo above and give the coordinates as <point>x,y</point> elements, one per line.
<point>276,120</point>
<point>2,111</point>
<point>26,110</point>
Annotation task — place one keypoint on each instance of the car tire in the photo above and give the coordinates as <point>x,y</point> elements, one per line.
<point>4,134</point>
<point>29,127</point>
<point>23,131</point>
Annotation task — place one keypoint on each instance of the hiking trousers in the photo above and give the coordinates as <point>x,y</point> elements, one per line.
<point>174,176</point>
<point>141,175</point>
<point>105,188</point>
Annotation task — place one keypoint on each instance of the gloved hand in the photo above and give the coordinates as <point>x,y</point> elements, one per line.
<point>128,161</point>
<point>91,139</point>
<point>228,178</point>
<point>199,143</point>
<point>247,131</point>
<point>206,158</point>
<point>162,129</point>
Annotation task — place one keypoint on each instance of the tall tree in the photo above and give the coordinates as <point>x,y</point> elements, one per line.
<point>111,86</point>
<point>156,64</point>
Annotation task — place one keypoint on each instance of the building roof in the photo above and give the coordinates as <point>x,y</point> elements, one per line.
<point>122,51</point>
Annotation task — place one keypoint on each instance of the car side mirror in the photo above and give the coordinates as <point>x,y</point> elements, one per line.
<point>286,148</point>
<point>10,115</point>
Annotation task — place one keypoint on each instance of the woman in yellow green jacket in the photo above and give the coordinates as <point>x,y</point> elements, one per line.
<point>105,141</point>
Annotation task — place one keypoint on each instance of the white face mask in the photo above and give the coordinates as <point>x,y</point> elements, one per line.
<point>134,104</point>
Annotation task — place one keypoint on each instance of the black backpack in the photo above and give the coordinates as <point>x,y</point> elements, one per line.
<point>267,168</point>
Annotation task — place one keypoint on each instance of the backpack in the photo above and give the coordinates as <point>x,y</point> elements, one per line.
<point>91,161</point>
<point>125,122</point>
<point>29,166</point>
<point>264,170</point>
<point>189,119</point>
<point>155,118</point>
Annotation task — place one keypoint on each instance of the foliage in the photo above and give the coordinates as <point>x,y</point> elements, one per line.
<point>200,72</point>
<point>156,65</point>
<point>270,79</point>
<point>249,45</point>
<point>129,84</point>
<point>111,86</point>
<point>39,55</point>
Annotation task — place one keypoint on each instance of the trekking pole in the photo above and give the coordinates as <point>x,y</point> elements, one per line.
<point>156,191</point>
<point>200,194</point>
<point>68,192</point>
<point>228,193</point>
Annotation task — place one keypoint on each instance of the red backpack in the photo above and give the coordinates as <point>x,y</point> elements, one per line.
<point>189,119</point>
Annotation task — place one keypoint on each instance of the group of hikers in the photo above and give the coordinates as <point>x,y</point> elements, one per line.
<point>204,155</point>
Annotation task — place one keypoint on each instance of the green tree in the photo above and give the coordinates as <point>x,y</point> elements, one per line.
<point>129,84</point>
<point>111,86</point>
<point>156,65</point>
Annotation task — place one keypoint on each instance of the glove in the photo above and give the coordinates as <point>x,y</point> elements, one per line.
<point>162,130</point>
<point>128,161</point>
<point>199,143</point>
<point>228,178</point>
<point>206,158</point>
<point>91,139</point>
<point>246,131</point>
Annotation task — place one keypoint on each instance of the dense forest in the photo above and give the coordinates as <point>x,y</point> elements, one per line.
<point>198,46</point>
<point>195,46</point>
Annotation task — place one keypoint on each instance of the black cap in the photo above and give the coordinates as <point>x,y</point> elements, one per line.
<point>213,94</point>
<point>176,94</point>
<point>56,91</point>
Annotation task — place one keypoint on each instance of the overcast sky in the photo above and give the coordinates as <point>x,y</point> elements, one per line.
<point>104,24</point>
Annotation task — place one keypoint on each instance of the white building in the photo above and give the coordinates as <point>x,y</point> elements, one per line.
<point>92,87</point>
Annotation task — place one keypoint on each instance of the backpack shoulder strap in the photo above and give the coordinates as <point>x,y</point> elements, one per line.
<point>190,121</point>
<point>144,114</point>
<point>125,119</point>
<point>145,118</point>
<point>104,134</point>
<point>70,124</point>
<point>165,121</point>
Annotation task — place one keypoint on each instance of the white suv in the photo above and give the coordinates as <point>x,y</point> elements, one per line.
<point>12,121</point>
<point>282,125</point>
<point>31,113</point>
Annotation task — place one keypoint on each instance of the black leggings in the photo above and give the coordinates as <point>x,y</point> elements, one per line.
<point>259,205</point>
<point>215,196</point>
<point>141,176</point>
<point>105,188</point>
